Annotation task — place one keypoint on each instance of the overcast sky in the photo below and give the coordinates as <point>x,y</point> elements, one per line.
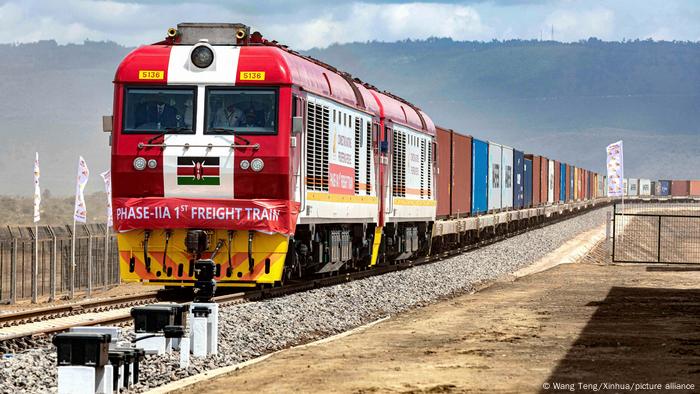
<point>303,24</point>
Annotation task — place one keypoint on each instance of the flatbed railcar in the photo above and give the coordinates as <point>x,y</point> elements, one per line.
<point>232,148</point>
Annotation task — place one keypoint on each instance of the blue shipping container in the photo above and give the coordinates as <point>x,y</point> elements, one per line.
<point>519,185</point>
<point>664,188</point>
<point>527,182</point>
<point>480,176</point>
<point>562,182</point>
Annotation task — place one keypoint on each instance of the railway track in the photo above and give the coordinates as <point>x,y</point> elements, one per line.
<point>27,329</point>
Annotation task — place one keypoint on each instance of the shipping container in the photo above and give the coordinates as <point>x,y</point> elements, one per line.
<point>556,180</point>
<point>550,182</point>
<point>495,174</point>
<point>480,176</point>
<point>518,178</point>
<point>444,164</point>
<point>625,186</point>
<point>588,185</point>
<point>544,180</point>
<point>645,187</point>
<point>567,196</point>
<point>507,177</point>
<point>601,186</point>
<point>461,174</point>
<point>680,188</point>
<point>663,188</point>
<point>695,188</point>
<point>562,182</point>
<point>574,174</point>
<point>577,184</point>
<point>654,185</point>
<point>527,183</point>
<point>633,187</point>
<point>536,170</point>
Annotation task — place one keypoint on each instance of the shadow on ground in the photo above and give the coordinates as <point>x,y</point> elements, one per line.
<point>636,335</point>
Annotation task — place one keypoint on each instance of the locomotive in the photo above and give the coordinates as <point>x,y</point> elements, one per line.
<point>230,148</point>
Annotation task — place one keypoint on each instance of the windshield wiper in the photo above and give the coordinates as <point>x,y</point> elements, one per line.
<point>177,130</point>
<point>228,130</point>
<point>169,130</point>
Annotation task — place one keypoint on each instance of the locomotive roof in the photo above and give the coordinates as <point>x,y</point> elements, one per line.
<point>286,67</point>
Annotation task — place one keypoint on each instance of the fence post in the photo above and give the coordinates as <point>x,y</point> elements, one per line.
<point>35,263</point>
<point>658,251</point>
<point>614,215</point>
<point>54,258</point>
<point>608,221</point>
<point>89,260</point>
<point>106,262</point>
<point>13,270</point>
<point>71,289</point>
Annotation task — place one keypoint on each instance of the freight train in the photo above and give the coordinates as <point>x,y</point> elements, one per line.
<point>275,166</point>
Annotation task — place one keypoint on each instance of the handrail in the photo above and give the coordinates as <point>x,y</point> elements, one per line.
<point>141,145</point>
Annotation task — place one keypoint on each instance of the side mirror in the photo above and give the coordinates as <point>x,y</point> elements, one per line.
<point>297,125</point>
<point>107,123</point>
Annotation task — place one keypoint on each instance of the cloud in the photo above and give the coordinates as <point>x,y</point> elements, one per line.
<point>389,22</point>
<point>303,24</point>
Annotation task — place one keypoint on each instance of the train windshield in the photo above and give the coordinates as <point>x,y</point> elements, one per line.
<point>159,110</point>
<point>241,111</point>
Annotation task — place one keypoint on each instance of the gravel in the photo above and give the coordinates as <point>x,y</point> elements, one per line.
<point>252,329</point>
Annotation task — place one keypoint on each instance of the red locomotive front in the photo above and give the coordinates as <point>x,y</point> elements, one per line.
<point>201,158</point>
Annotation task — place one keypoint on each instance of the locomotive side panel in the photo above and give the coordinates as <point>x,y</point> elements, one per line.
<point>338,164</point>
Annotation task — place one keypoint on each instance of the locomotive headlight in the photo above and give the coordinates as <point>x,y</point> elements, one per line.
<point>245,164</point>
<point>152,164</point>
<point>257,165</point>
<point>139,163</point>
<point>202,56</point>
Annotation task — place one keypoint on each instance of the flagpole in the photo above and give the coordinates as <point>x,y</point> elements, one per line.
<point>35,275</point>
<point>72,265</point>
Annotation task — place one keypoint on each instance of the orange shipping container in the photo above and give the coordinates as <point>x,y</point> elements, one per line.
<point>695,188</point>
<point>544,180</point>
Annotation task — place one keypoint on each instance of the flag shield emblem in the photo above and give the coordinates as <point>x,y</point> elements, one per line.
<point>198,171</point>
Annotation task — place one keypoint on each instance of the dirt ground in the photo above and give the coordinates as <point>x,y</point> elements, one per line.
<point>615,328</point>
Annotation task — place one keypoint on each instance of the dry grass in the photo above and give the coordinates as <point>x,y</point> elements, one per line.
<point>19,211</point>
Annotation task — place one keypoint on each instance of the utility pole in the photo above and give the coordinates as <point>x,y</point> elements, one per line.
<point>552,32</point>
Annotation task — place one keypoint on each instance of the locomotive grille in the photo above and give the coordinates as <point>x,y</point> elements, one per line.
<point>368,163</point>
<point>422,167</point>
<point>429,164</point>
<point>398,170</point>
<point>358,143</point>
<point>317,147</point>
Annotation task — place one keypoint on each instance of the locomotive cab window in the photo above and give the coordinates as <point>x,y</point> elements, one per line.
<point>159,110</point>
<point>241,111</point>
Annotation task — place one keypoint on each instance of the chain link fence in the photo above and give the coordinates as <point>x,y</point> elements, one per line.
<point>656,232</point>
<point>50,274</point>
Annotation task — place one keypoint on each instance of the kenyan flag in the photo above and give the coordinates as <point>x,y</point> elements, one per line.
<point>198,171</point>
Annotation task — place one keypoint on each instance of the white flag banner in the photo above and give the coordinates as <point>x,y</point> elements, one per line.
<point>615,170</point>
<point>107,177</point>
<point>37,190</point>
<point>80,214</point>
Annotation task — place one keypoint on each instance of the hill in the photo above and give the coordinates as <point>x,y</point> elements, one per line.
<point>563,100</point>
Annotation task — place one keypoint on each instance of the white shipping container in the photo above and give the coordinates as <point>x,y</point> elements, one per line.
<point>601,186</point>
<point>495,181</point>
<point>507,168</point>
<point>550,183</point>
<point>633,187</point>
<point>645,187</point>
